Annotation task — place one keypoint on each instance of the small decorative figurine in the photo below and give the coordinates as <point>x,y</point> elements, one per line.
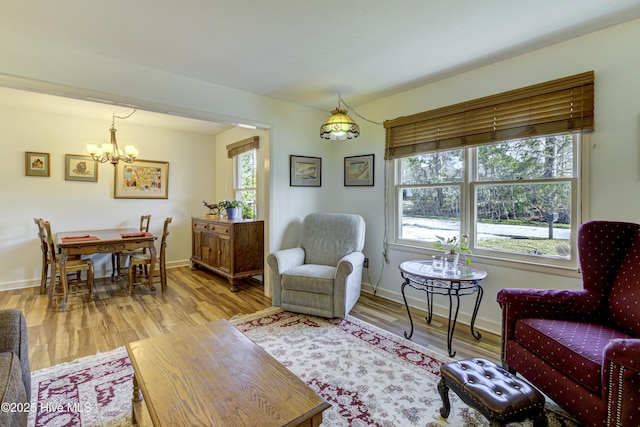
<point>213,208</point>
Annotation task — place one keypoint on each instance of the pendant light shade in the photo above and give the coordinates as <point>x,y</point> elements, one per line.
<point>339,126</point>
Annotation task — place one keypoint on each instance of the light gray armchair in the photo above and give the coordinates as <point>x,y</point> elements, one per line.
<point>323,276</point>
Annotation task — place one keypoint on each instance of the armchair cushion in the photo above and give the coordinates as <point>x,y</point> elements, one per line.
<point>575,348</point>
<point>309,277</point>
<point>328,237</point>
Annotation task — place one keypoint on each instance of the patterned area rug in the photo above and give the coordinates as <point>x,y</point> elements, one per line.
<point>91,391</point>
<point>370,377</point>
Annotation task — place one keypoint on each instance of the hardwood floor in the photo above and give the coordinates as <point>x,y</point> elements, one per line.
<point>193,297</point>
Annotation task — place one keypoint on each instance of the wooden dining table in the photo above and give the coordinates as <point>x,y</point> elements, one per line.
<point>88,242</point>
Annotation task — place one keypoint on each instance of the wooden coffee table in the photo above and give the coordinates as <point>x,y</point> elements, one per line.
<point>212,375</point>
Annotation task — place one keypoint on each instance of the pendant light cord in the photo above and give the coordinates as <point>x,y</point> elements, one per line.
<point>354,111</point>
<point>113,121</point>
<point>385,243</point>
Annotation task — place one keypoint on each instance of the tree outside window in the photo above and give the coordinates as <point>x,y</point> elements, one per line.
<point>245,183</point>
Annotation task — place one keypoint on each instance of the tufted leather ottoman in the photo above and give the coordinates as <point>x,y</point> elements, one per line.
<point>501,397</point>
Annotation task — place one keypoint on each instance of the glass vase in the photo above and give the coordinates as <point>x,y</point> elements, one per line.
<point>451,264</point>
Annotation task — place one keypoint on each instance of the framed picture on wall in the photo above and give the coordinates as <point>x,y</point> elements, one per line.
<point>80,168</point>
<point>142,179</point>
<point>36,164</point>
<point>358,170</point>
<point>305,171</point>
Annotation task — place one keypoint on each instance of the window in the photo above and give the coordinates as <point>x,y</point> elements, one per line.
<point>504,169</point>
<point>516,199</point>
<point>245,187</point>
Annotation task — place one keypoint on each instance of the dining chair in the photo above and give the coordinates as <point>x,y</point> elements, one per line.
<point>144,259</point>
<point>44,246</point>
<point>117,258</point>
<point>42,234</point>
<point>72,265</point>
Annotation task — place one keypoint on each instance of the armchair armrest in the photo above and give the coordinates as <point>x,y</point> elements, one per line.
<point>536,296</point>
<point>347,282</point>
<point>14,332</point>
<point>281,261</point>
<point>348,263</point>
<point>518,303</point>
<point>620,378</point>
<point>13,337</point>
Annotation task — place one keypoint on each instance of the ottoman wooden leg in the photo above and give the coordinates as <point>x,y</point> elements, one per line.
<point>444,394</point>
<point>540,420</point>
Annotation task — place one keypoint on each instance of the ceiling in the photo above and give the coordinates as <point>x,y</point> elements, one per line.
<point>307,52</point>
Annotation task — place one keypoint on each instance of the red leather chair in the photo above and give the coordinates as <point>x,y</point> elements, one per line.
<point>582,347</point>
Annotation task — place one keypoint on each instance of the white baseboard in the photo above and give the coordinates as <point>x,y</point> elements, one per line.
<point>35,282</point>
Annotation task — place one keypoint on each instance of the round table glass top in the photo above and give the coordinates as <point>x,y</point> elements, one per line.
<point>424,269</point>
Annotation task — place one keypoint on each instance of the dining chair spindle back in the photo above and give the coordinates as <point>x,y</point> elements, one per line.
<point>74,265</point>
<point>119,260</point>
<point>42,234</point>
<point>144,259</point>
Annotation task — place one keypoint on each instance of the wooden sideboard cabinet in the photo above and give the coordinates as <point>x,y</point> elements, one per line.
<point>231,248</point>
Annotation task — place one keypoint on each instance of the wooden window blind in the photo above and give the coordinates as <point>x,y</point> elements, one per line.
<point>555,106</point>
<point>243,146</point>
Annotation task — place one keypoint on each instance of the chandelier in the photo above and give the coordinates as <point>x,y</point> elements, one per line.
<point>110,152</point>
<point>339,126</point>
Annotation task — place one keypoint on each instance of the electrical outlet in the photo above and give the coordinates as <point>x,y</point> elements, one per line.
<point>366,263</point>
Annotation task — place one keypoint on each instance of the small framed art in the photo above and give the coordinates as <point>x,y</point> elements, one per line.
<point>80,168</point>
<point>305,171</point>
<point>36,164</point>
<point>142,179</point>
<point>358,170</point>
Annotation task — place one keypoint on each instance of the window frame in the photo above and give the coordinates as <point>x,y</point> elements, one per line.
<point>238,189</point>
<point>468,224</point>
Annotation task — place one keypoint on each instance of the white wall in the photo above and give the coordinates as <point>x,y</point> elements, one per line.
<point>614,160</point>
<point>73,205</point>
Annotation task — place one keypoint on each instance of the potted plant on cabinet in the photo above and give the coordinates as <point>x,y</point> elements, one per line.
<point>233,208</point>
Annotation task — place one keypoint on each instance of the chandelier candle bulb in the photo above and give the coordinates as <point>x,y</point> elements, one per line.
<point>110,151</point>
